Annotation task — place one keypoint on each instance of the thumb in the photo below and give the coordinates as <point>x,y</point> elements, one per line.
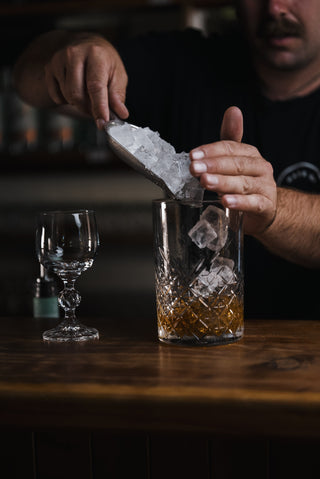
<point>232,125</point>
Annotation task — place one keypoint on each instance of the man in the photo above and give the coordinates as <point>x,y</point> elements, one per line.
<point>263,160</point>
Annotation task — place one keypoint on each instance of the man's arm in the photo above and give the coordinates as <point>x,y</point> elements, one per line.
<point>79,72</point>
<point>286,221</point>
<point>84,72</point>
<point>295,231</point>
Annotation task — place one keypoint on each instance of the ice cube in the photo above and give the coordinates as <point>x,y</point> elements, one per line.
<point>220,274</point>
<point>202,234</point>
<point>222,268</point>
<point>211,231</point>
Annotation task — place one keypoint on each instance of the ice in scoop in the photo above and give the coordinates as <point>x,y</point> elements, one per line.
<point>148,153</point>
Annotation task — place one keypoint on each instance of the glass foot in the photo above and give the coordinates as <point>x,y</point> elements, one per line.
<point>66,332</point>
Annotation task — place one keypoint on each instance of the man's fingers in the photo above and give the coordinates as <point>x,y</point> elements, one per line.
<point>241,185</point>
<point>65,81</point>
<point>254,204</point>
<point>90,76</point>
<point>106,84</point>
<point>54,90</point>
<point>117,105</point>
<point>232,125</point>
<point>53,86</point>
<point>97,79</point>
<point>235,165</point>
<point>117,91</point>
<point>74,85</point>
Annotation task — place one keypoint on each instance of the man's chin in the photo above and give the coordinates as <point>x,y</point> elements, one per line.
<point>279,58</point>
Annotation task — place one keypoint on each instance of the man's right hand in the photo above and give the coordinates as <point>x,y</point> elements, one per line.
<point>79,69</point>
<point>88,74</point>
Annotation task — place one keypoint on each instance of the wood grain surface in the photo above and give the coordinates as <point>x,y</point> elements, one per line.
<point>266,384</point>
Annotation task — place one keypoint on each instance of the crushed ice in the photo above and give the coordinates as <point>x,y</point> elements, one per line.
<point>160,158</point>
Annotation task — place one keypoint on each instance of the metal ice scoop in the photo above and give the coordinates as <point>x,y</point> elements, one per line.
<point>125,155</point>
<point>145,151</point>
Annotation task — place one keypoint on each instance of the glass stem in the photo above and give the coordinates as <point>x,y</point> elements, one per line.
<point>70,300</point>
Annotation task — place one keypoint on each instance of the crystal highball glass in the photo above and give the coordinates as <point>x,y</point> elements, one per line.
<point>198,272</point>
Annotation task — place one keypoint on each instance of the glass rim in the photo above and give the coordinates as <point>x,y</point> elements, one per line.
<point>195,203</point>
<point>65,212</point>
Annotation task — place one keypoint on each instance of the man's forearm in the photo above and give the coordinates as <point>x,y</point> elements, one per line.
<point>295,232</point>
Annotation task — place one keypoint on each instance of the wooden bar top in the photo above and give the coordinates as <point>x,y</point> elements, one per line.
<point>267,383</point>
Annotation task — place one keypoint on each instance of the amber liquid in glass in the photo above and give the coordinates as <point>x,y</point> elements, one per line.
<point>200,317</point>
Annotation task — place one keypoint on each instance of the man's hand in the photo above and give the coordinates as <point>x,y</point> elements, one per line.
<point>238,173</point>
<point>89,75</point>
<point>79,69</point>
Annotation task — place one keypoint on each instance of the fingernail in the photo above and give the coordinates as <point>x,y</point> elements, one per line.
<point>100,123</point>
<point>212,180</point>
<point>197,155</point>
<point>231,201</point>
<point>199,167</point>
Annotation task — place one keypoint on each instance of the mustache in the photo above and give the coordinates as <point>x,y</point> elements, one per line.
<point>280,27</point>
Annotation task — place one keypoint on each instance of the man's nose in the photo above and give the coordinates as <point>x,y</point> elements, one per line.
<point>277,8</point>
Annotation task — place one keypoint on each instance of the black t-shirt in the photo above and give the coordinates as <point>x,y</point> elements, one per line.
<point>180,84</point>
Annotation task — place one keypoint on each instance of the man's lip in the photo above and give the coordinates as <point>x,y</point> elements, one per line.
<point>281,41</point>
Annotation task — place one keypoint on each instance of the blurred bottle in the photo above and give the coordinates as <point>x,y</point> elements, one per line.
<point>92,143</point>
<point>21,120</point>
<point>45,297</point>
<point>59,132</point>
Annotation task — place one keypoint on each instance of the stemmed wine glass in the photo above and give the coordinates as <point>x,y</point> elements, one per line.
<point>66,243</point>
